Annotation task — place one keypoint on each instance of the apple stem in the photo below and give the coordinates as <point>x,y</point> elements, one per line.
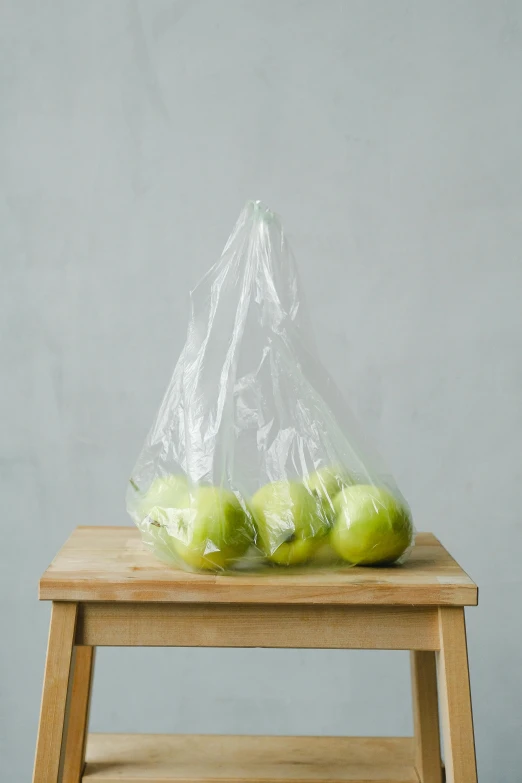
<point>133,484</point>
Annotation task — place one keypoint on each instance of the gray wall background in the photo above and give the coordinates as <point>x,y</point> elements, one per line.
<point>388,135</point>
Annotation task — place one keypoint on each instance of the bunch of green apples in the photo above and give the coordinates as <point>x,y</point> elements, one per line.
<point>327,515</point>
<point>293,518</point>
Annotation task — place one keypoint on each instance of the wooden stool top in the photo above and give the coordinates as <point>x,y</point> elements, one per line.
<point>112,564</point>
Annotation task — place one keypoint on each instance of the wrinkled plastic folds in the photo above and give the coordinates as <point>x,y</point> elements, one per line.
<point>254,458</point>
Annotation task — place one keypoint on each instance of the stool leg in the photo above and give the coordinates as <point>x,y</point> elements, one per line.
<point>426,716</point>
<point>55,688</point>
<point>80,699</point>
<point>455,697</point>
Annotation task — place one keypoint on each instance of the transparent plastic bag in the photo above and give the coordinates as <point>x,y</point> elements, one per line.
<point>254,458</point>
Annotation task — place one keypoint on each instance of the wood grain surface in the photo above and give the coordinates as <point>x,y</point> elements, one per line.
<point>426,716</point>
<point>112,564</point>
<point>54,695</point>
<point>258,625</point>
<point>455,698</point>
<point>80,696</point>
<point>120,758</point>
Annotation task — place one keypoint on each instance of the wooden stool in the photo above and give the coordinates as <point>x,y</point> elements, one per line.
<point>108,589</point>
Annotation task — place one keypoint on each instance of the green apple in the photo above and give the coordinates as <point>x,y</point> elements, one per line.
<point>155,535</point>
<point>326,484</point>
<point>325,555</point>
<point>212,531</point>
<point>165,492</point>
<point>289,521</point>
<point>372,527</point>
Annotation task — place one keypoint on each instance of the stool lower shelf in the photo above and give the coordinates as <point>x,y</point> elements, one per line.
<point>160,758</point>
